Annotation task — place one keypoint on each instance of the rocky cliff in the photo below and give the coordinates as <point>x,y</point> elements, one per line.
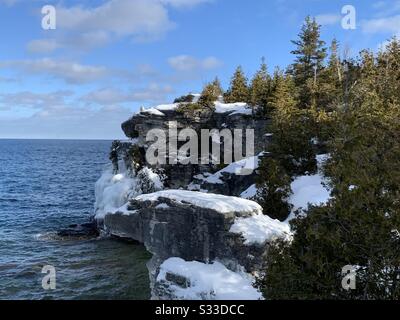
<point>173,209</point>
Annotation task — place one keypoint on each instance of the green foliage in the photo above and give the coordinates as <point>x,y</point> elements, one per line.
<point>115,147</point>
<point>239,89</point>
<point>185,99</point>
<point>205,105</point>
<point>291,127</point>
<point>310,54</point>
<point>273,185</point>
<point>360,224</point>
<point>260,90</point>
<point>136,157</point>
<point>211,92</point>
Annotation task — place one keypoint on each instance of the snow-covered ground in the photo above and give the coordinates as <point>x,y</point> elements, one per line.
<point>208,281</point>
<point>260,229</point>
<point>309,190</point>
<point>215,202</point>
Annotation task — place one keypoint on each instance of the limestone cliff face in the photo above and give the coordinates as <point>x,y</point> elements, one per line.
<point>185,229</point>
<point>180,176</point>
<point>170,228</point>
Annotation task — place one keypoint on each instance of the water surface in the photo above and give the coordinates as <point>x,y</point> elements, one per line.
<point>47,185</point>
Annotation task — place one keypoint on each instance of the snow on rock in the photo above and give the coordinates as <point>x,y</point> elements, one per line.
<point>242,167</point>
<point>249,193</point>
<point>153,111</point>
<point>112,191</point>
<point>260,229</point>
<point>232,108</point>
<point>220,203</point>
<point>167,107</point>
<point>207,281</point>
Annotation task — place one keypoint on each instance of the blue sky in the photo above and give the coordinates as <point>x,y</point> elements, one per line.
<point>107,58</point>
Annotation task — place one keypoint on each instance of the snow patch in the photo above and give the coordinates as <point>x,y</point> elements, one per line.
<point>167,107</point>
<point>241,167</point>
<point>260,229</point>
<point>163,206</point>
<point>219,203</point>
<point>232,108</point>
<point>309,189</point>
<point>112,191</point>
<point>208,281</point>
<point>249,193</point>
<point>153,111</point>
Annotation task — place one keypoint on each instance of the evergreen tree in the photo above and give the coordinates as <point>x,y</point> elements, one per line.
<point>310,54</point>
<point>291,133</point>
<point>388,62</point>
<point>273,189</point>
<point>360,224</point>
<point>238,90</point>
<point>260,90</point>
<point>211,92</point>
<point>330,84</point>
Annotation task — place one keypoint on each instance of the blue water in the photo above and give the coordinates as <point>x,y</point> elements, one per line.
<point>47,185</point>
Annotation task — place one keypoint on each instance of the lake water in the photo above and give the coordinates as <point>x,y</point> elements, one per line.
<point>47,185</point>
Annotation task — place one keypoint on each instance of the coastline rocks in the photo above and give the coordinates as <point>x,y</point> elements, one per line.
<point>171,227</point>
<point>193,226</point>
<point>231,118</point>
<point>79,231</point>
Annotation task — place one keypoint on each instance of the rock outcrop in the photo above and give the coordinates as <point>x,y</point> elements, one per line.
<point>170,227</point>
<point>180,176</point>
<point>193,226</point>
<point>200,221</point>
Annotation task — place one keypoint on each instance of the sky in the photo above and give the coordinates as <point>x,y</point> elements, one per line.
<point>107,58</point>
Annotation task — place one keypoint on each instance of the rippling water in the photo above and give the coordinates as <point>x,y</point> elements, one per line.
<point>46,185</point>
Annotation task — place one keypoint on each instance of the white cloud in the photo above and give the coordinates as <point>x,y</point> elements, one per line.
<point>328,19</point>
<point>184,3</point>
<point>137,18</point>
<point>42,46</point>
<point>69,71</point>
<point>84,28</point>
<point>8,3</point>
<point>110,96</point>
<point>185,63</point>
<point>33,100</point>
<point>68,123</point>
<point>382,25</point>
<point>81,42</point>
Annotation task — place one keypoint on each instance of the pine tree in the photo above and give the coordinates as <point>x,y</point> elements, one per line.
<point>211,93</point>
<point>260,90</point>
<point>388,62</point>
<point>360,224</point>
<point>238,90</point>
<point>273,189</point>
<point>291,141</point>
<point>330,84</point>
<point>310,54</point>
